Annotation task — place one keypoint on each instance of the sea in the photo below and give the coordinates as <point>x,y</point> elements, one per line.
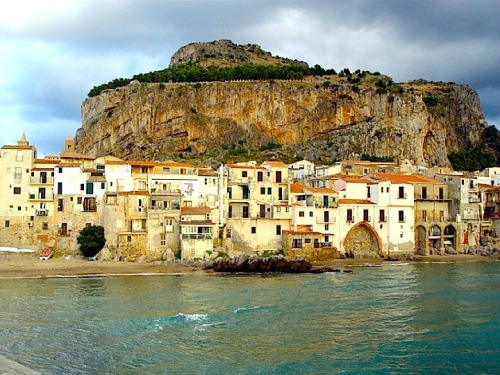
<point>400,318</point>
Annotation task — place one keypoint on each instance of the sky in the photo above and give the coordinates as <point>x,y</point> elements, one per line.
<point>53,52</point>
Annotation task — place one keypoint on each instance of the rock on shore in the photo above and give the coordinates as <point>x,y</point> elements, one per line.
<point>256,264</point>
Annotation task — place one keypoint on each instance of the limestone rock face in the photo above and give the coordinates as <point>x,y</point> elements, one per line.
<point>224,52</point>
<point>313,119</point>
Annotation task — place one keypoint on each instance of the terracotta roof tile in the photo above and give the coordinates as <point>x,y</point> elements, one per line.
<point>355,201</point>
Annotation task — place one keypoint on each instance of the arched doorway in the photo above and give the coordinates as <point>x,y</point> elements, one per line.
<point>449,237</point>
<point>434,239</point>
<point>420,240</point>
<point>362,242</point>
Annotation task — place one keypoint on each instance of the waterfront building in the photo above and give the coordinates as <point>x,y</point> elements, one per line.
<point>16,213</point>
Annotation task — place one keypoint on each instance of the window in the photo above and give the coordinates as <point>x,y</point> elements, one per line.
<point>365,215</point>
<point>301,213</point>
<point>79,200</point>
<point>368,192</point>
<point>278,230</point>
<point>103,185</point>
<point>349,216</point>
<point>60,204</point>
<point>59,188</point>
<point>6,223</point>
<point>260,176</point>
<point>424,215</point>
<point>307,240</point>
<point>401,192</point>
<point>230,192</point>
<point>254,230</point>
<point>327,226</point>
<point>19,208</point>
<point>381,216</point>
<point>82,186</point>
<point>297,243</point>
<point>381,189</point>
<point>244,174</point>
<point>45,225</point>
<point>424,193</point>
<point>269,191</point>
<point>17,190</point>
<point>311,214</point>
<point>262,190</point>
<point>18,173</point>
<point>19,156</point>
<point>163,239</point>
<point>387,189</point>
<point>59,170</point>
<point>401,216</point>
<point>278,176</point>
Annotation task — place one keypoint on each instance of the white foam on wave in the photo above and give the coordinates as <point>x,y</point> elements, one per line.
<point>244,309</point>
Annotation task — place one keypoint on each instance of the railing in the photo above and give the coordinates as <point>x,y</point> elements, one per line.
<point>41,212</point>
<point>41,197</point>
<point>41,181</point>
<point>326,244</point>
<point>266,215</point>
<point>197,236</point>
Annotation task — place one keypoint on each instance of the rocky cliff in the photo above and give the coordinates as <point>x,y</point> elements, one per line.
<point>318,118</point>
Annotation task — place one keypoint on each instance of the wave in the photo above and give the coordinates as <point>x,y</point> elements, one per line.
<point>245,309</point>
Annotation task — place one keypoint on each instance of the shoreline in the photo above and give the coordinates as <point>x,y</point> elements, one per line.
<point>24,266</point>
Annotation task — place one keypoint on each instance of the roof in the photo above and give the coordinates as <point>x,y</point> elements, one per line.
<point>399,178</point>
<point>200,210</point>
<point>297,188</point>
<point>17,147</point>
<point>207,172</point>
<point>175,164</point>
<point>355,201</point>
<point>320,190</point>
<point>241,166</point>
<point>274,163</point>
<point>74,155</point>
<point>47,161</point>
<point>141,163</point>
<point>357,180</point>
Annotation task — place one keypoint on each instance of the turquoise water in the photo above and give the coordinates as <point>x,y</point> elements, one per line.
<point>412,319</point>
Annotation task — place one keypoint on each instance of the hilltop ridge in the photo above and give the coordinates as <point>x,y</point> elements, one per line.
<point>217,102</point>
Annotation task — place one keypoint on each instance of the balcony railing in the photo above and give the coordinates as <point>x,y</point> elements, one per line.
<point>41,212</point>
<point>197,236</point>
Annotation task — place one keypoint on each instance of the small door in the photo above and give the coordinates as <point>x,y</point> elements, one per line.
<point>262,210</point>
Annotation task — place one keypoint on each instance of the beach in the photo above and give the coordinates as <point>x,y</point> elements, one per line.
<point>14,265</point>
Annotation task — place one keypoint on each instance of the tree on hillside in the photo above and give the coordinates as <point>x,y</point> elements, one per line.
<point>91,240</point>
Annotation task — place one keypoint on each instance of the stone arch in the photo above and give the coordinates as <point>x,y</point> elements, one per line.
<point>435,239</point>
<point>450,237</point>
<point>421,240</point>
<point>362,241</point>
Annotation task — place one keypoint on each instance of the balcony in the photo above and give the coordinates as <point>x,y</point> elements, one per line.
<point>41,212</point>
<point>41,181</point>
<point>41,197</point>
<point>197,236</point>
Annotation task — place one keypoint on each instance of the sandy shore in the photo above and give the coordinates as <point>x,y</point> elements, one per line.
<point>14,265</point>
<point>28,265</point>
